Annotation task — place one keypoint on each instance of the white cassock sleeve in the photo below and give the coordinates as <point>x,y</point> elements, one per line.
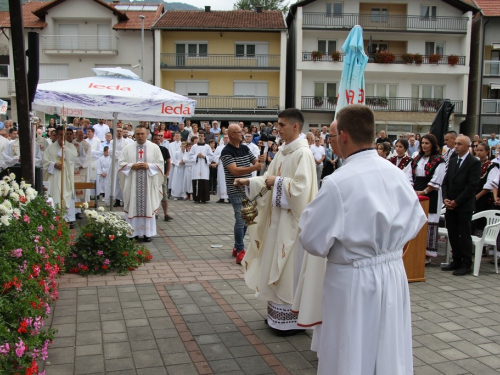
<point>317,235</point>
<point>279,196</point>
<point>492,176</point>
<point>153,169</point>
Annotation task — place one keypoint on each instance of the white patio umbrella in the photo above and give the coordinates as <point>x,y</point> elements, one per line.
<point>113,93</point>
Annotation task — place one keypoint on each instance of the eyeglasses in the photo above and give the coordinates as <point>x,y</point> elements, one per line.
<point>317,140</point>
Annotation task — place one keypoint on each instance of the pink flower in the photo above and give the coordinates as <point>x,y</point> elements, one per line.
<point>4,349</point>
<point>51,226</point>
<point>106,262</point>
<point>26,219</point>
<point>37,238</point>
<point>18,253</point>
<point>40,228</point>
<point>100,252</point>
<point>20,348</point>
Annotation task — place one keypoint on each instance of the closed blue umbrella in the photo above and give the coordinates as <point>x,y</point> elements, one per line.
<point>352,82</point>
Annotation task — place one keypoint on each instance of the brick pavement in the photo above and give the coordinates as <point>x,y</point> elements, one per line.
<point>189,312</point>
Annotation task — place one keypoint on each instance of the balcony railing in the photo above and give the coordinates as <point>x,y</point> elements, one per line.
<point>307,56</point>
<point>380,103</point>
<point>201,61</point>
<point>79,44</point>
<point>384,22</point>
<point>491,107</point>
<point>236,103</point>
<point>491,68</point>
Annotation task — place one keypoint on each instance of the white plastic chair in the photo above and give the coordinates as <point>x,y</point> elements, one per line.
<point>443,232</point>
<point>489,237</point>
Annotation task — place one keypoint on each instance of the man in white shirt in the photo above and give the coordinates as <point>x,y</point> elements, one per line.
<point>319,154</point>
<point>101,129</point>
<point>254,149</point>
<point>449,151</point>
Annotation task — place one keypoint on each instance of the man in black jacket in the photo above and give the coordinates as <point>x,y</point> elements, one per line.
<point>459,197</point>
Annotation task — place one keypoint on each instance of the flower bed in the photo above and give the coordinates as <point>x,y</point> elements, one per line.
<point>102,246</point>
<point>34,241</point>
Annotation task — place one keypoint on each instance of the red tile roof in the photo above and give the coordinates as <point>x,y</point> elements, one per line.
<point>29,19</point>
<point>490,8</point>
<point>135,23</point>
<point>219,20</point>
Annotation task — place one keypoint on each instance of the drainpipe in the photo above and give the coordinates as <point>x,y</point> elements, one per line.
<point>481,83</point>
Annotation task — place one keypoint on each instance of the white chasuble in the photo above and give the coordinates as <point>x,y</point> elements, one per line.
<point>201,169</point>
<point>274,256</point>
<point>53,155</point>
<point>177,175</point>
<point>142,190</point>
<point>96,150</point>
<point>221,177</point>
<point>360,221</point>
<point>12,154</point>
<point>82,164</point>
<point>120,144</point>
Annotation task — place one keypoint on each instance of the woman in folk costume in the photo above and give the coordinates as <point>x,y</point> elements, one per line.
<point>484,196</point>
<point>428,170</point>
<point>401,159</point>
<point>103,167</point>
<point>178,173</point>
<point>188,172</point>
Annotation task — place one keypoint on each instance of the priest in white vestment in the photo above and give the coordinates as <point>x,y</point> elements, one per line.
<point>82,165</point>
<point>120,144</point>
<point>362,217</point>
<point>96,150</point>
<point>12,154</point>
<point>141,177</point>
<point>201,156</point>
<point>3,144</point>
<point>221,177</point>
<point>53,164</point>
<point>272,262</point>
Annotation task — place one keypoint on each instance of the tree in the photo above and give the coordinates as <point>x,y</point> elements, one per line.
<point>282,5</point>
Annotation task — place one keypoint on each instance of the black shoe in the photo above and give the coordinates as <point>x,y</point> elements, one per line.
<point>71,225</point>
<point>136,238</point>
<point>289,332</point>
<point>451,267</point>
<point>462,271</point>
<point>79,216</point>
<point>168,218</point>
<point>147,239</point>
<point>220,201</point>
<point>117,203</point>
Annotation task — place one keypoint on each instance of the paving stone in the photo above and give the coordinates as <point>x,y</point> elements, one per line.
<point>88,338</point>
<point>232,339</point>
<point>173,345</point>
<point>143,345</point>
<point>253,365</point>
<point>114,350</point>
<point>145,358</point>
<point>83,350</point>
<point>59,369</point>
<point>152,371</point>
<point>186,369</point>
<point>112,316</point>
<point>475,367</point>
<point>87,317</point>
<point>215,352</point>
<point>224,366</point>
<point>114,326</point>
<point>200,328</point>
<point>65,330</point>
<point>119,364</point>
<point>59,356</point>
<point>115,337</point>
<point>176,358</point>
<point>134,313</point>
<point>293,361</point>
<point>450,368</point>
<point>140,333</point>
<point>136,323</point>
<point>470,349</point>
<point>89,365</point>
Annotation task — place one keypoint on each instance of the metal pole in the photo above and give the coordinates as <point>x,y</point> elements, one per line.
<point>113,163</point>
<point>142,46</point>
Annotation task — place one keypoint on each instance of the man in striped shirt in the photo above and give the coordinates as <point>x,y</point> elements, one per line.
<point>239,162</point>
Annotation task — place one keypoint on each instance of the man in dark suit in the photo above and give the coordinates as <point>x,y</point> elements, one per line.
<point>459,197</point>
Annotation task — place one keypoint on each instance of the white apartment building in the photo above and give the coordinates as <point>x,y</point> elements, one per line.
<point>77,35</point>
<point>403,93</point>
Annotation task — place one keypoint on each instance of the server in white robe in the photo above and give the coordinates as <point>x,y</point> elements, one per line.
<point>103,166</point>
<point>201,156</point>
<point>96,150</point>
<point>173,147</point>
<point>53,164</point>
<point>82,165</point>
<point>372,212</point>
<point>254,149</point>
<point>120,144</point>
<point>272,261</point>
<point>141,177</point>
<point>188,171</point>
<point>221,177</point>
<point>178,173</point>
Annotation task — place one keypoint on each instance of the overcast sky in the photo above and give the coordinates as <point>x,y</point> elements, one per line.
<point>216,5</point>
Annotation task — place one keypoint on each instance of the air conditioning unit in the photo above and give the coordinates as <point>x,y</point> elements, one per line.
<point>495,45</point>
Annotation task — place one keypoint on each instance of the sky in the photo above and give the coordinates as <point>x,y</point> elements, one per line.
<point>216,5</point>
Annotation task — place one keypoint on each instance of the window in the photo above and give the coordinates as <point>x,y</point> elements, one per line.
<point>380,47</point>
<point>428,12</point>
<point>245,50</point>
<point>381,89</point>
<point>434,47</point>
<point>334,9</point>
<point>192,88</point>
<point>327,46</point>
<point>53,72</point>
<point>379,15</point>
<point>326,89</point>
<point>193,49</point>
<point>427,91</point>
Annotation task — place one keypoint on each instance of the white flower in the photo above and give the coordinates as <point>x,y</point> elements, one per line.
<point>23,184</point>
<point>3,209</point>
<point>100,209</point>
<point>118,233</point>
<point>5,220</point>
<point>31,193</point>
<point>14,196</point>
<point>100,219</point>
<point>7,204</point>
<point>17,211</point>
<point>12,176</point>
<point>85,205</point>
<point>6,178</point>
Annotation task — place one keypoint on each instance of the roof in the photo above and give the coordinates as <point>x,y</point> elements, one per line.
<point>221,20</point>
<point>29,19</point>
<point>134,22</point>
<point>489,8</point>
<point>40,12</point>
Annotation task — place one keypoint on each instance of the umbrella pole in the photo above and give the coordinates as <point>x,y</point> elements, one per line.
<point>113,163</point>
<point>62,162</point>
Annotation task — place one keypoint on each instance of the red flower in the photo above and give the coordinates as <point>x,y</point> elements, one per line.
<point>74,270</point>
<point>44,213</point>
<point>131,268</point>
<point>104,267</point>
<point>84,268</point>
<point>139,252</point>
<point>88,234</point>
<point>111,237</point>
<point>22,327</point>
<point>22,199</point>
<point>125,254</point>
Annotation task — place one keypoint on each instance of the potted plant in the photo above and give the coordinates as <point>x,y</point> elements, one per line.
<point>434,58</point>
<point>430,104</point>
<point>318,101</point>
<point>384,57</point>
<point>335,55</point>
<point>408,58</point>
<point>316,55</point>
<point>453,60</point>
<point>332,100</point>
<point>418,58</point>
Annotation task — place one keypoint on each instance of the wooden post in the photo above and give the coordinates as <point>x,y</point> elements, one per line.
<point>21,84</point>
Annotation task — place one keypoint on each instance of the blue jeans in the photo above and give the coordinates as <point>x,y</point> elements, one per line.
<point>239,224</point>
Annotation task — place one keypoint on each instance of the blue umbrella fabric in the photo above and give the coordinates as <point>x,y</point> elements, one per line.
<point>352,82</point>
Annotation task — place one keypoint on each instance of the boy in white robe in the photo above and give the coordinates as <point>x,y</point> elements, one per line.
<point>372,213</point>
<point>221,177</point>
<point>178,191</point>
<point>188,171</point>
<point>201,156</point>
<point>103,167</point>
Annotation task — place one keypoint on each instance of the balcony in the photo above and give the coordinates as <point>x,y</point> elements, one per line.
<point>491,68</point>
<point>80,44</point>
<point>210,61</point>
<point>307,56</point>
<point>318,103</point>
<point>491,107</point>
<point>385,22</point>
<point>235,103</point>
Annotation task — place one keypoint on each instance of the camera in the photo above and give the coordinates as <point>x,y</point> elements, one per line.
<point>266,134</point>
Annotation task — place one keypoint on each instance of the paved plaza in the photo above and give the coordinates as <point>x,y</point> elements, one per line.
<point>189,312</point>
